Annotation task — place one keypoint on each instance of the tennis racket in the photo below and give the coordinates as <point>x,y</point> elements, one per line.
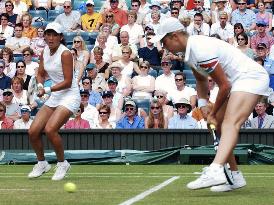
<point>216,141</point>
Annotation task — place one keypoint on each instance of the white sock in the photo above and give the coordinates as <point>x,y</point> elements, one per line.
<point>42,162</point>
<point>216,166</point>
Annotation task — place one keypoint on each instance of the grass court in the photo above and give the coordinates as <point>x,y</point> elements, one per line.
<point>130,184</point>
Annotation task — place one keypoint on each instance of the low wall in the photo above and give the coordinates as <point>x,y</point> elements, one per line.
<point>146,139</point>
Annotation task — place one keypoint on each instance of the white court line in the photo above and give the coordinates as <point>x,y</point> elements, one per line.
<point>149,191</point>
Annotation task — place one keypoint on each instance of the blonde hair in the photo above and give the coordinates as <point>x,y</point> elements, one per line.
<point>83,47</point>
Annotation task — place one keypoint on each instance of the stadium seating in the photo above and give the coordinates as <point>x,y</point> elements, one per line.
<point>39,13</point>
<point>143,103</point>
<point>153,73</point>
<point>52,14</point>
<point>90,46</point>
<point>69,37</point>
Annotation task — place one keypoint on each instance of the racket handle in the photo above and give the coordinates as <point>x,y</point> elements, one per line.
<point>212,127</point>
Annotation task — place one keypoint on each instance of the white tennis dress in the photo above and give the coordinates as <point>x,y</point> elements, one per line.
<point>69,98</point>
<point>204,53</point>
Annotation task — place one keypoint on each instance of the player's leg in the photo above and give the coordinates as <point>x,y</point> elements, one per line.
<point>35,131</point>
<point>58,118</point>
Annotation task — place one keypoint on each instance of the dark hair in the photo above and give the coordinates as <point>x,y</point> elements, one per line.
<point>9,51</point>
<point>10,3</point>
<point>89,78</point>
<point>136,1</point>
<point>215,35</point>
<point>260,60</point>
<point>181,74</point>
<point>175,8</point>
<point>199,15</point>
<point>20,61</point>
<point>150,33</point>
<point>236,25</point>
<point>5,15</point>
<point>74,49</point>
<point>82,108</point>
<point>243,34</point>
<point>3,106</point>
<point>19,25</point>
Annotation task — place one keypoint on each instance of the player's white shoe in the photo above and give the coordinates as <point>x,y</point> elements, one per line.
<point>212,176</point>
<point>61,170</point>
<point>39,169</point>
<point>238,182</point>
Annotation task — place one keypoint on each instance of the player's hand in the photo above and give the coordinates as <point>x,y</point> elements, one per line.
<point>40,93</point>
<point>211,119</point>
<point>205,111</point>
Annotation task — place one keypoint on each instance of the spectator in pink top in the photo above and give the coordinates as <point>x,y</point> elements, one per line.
<point>78,122</point>
<point>5,122</point>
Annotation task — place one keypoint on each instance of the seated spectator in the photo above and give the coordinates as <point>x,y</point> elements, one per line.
<point>101,65</point>
<point>115,112</point>
<point>117,49</point>
<point>143,84</point>
<point>200,7</point>
<point>120,15</point>
<point>155,20</point>
<point>150,52</point>
<point>57,4</point>
<point>94,96</point>
<point>6,31</point>
<point>156,118</point>
<point>20,73</point>
<point>13,17</point>
<point>177,60</point>
<point>77,122</point>
<point>130,68</point>
<point>38,43</point>
<point>104,113</point>
<point>91,21</point>
<point>242,40</point>
<point>42,4</point>
<point>20,7</point>
<point>238,28</point>
<point>135,6</point>
<point>98,81</point>
<point>12,109</point>
<point>5,81</point>
<point>78,65</point>
<point>221,6</point>
<point>25,121</point>
<point>117,100</point>
<point>182,120</point>
<point>70,20</point>
<point>30,65</point>
<point>106,6</point>
<point>124,83</point>
<point>20,95</point>
<point>90,113</point>
<point>131,120</point>
<point>198,26</point>
<point>108,18</point>
<point>155,7</point>
<point>10,66</point>
<point>134,30</point>
<point>6,122</point>
<point>264,16</point>
<point>82,52</point>
<point>28,30</point>
<point>161,95</point>
<point>17,43</point>
<point>263,120</point>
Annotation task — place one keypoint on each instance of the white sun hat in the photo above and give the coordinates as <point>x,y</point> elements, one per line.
<point>171,24</point>
<point>54,26</point>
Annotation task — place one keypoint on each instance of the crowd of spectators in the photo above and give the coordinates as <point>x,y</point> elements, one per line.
<point>125,81</point>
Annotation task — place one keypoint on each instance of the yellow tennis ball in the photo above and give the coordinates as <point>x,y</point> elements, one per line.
<point>70,187</point>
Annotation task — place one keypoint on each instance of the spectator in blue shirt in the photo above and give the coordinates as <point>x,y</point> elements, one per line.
<point>182,120</point>
<point>5,81</point>
<point>131,120</point>
<point>94,96</point>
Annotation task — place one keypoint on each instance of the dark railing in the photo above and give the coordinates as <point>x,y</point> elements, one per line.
<point>146,139</point>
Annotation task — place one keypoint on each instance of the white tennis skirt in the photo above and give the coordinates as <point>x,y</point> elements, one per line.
<point>71,100</point>
<point>252,82</point>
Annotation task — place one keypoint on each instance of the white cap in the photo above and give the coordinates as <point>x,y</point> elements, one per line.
<point>90,2</point>
<point>54,26</point>
<point>170,24</point>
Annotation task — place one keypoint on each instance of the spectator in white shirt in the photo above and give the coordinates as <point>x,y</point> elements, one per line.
<point>198,26</point>
<point>25,121</point>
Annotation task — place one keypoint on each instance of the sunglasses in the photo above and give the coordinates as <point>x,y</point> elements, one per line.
<point>197,2</point>
<point>241,39</point>
<point>129,108</point>
<point>107,96</point>
<point>210,80</point>
<point>76,41</point>
<point>20,66</point>
<point>24,111</point>
<point>159,96</point>
<point>174,12</point>
<point>237,28</point>
<point>66,7</point>
<point>148,38</point>
<point>165,64</point>
<point>1,110</point>
<point>145,67</point>
<point>241,3</point>
<point>2,67</point>
<point>8,5</point>
<point>260,25</point>
<point>79,110</point>
<point>180,106</point>
<point>27,54</point>
<point>134,5</point>
<point>126,52</point>
<point>179,79</point>
<point>86,83</point>
<point>109,16</point>
<point>84,96</point>
<point>156,108</point>
<point>7,94</point>
<point>103,113</point>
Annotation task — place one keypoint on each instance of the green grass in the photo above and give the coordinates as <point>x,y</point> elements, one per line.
<point>114,184</point>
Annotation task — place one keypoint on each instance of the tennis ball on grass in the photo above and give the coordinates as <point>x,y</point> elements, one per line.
<point>70,187</point>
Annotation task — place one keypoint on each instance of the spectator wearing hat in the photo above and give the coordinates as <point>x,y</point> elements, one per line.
<point>264,16</point>
<point>121,5</point>
<point>117,100</point>
<point>70,19</point>
<point>91,21</point>
<point>98,81</point>
<point>90,113</point>
<point>115,112</point>
<point>5,81</point>
<point>261,36</point>
<point>25,121</point>
<point>78,122</point>
<point>182,120</point>
<point>117,49</point>
<point>6,123</point>
<point>155,7</point>
<point>131,120</point>
<point>124,83</point>
<point>198,26</point>
<point>166,80</point>
<point>244,16</point>
<point>223,28</point>
<point>220,6</point>
<point>12,109</point>
<point>120,15</point>
<point>94,96</point>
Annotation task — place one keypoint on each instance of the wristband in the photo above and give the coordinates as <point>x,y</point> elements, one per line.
<point>47,90</point>
<point>202,103</point>
<point>40,86</point>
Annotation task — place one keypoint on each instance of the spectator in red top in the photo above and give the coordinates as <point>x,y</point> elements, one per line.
<point>78,122</point>
<point>5,122</point>
<point>120,15</point>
